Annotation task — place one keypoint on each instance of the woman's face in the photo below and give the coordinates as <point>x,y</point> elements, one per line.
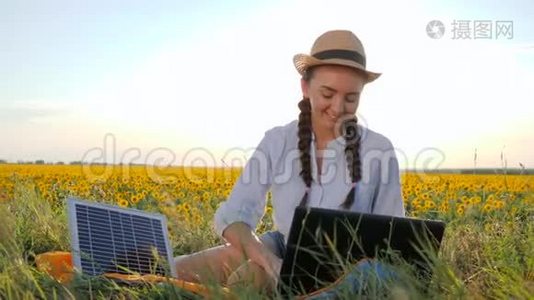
<point>334,92</point>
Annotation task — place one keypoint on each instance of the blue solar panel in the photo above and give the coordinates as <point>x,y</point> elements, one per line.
<point>110,239</point>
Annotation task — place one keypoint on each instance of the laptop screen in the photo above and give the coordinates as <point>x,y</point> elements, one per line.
<point>323,242</point>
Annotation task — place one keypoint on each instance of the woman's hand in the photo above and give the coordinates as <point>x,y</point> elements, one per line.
<point>261,270</point>
<point>251,273</point>
<point>259,254</point>
<point>243,238</point>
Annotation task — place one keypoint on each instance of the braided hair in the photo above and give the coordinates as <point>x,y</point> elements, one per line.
<point>352,148</point>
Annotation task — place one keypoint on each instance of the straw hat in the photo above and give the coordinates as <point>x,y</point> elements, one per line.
<point>336,47</point>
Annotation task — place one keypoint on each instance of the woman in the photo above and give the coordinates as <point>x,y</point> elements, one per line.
<point>323,159</point>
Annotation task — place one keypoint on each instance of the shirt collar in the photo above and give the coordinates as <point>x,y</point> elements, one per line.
<point>335,143</point>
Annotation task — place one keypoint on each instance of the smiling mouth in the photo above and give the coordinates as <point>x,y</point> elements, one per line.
<point>332,118</point>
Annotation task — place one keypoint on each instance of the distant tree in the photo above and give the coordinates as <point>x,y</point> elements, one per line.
<point>77,162</point>
<point>39,162</point>
<point>3,161</point>
<point>60,163</point>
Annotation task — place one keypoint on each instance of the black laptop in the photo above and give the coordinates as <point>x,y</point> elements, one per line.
<point>322,241</point>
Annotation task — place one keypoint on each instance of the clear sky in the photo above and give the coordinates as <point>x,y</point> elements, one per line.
<point>188,78</point>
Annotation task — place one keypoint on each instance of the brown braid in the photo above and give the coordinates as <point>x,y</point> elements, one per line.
<point>352,148</point>
<point>352,153</point>
<point>305,138</point>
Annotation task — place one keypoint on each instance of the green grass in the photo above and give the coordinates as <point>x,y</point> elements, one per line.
<point>482,256</point>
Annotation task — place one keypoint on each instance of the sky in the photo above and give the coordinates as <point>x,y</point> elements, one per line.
<point>199,82</point>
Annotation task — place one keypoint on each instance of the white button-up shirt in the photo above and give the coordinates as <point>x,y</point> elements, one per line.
<point>275,165</point>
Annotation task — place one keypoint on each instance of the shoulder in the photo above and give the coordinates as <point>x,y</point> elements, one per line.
<point>278,140</point>
<point>281,133</point>
<point>372,140</point>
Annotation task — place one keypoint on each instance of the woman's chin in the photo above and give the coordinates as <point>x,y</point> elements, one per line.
<point>331,124</point>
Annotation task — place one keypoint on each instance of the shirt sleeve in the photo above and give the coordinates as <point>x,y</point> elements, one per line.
<point>388,197</point>
<point>247,200</point>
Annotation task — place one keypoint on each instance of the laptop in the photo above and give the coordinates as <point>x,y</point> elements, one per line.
<point>322,241</point>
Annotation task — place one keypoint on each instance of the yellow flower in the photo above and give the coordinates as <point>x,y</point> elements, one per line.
<point>123,203</point>
<point>417,201</point>
<point>419,208</point>
<point>197,219</point>
<point>135,199</point>
<point>429,204</point>
<point>460,209</point>
<point>499,204</point>
<point>186,207</point>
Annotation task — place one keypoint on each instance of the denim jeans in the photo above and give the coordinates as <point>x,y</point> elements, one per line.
<point>357,279</point>
<point>274,241</point>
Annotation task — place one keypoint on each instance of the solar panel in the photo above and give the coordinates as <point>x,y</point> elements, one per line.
<point>110,239</point>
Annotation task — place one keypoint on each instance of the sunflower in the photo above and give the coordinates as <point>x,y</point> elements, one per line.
<point>498,204</point>
<point>123,203</point>
<point>135,199</point>
<point>487,207</point>
<point>460,209</point>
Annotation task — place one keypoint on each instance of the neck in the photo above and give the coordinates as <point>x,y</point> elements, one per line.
<point>322,137</point>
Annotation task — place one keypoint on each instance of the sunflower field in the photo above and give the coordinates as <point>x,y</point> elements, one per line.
<point>487,252</point>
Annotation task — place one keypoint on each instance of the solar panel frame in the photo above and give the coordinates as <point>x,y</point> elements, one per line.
<point>72,207</point>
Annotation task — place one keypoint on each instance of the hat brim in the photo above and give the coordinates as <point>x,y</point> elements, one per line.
<point>304,61</point>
